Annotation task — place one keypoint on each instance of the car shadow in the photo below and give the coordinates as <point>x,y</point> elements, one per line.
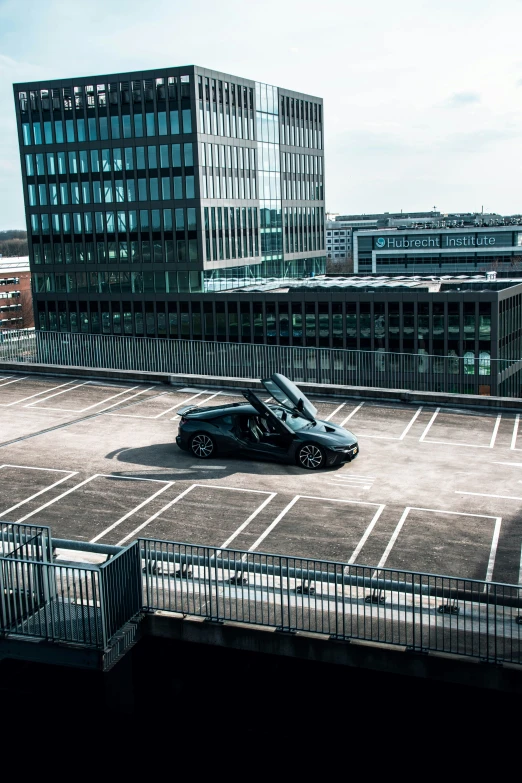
<point>167,462</point>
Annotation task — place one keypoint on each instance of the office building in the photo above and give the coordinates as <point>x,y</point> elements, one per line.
<point>16,304</point>
<point>142,186</point>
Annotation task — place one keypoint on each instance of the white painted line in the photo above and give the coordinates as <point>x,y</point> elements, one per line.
<point>429,425</point>
<point>393,538</point>
<point>132,478</point>
<point>353,486</point>
<point>163,413</point>
<point>56,394</point>
<point>495,430</point>
<point>274,523</point>
<point>30,397</point>
<point>56,499</point>
<point>351,414</point>
<point>16,380</point>
<point>249,520</point>
<point>95,404</point>
<point>30,467</point>
<point>511,464</point>
<point>520,569</point>
<point>208,467</point>
<point>493,552</point>
<point>130,513</point>
<point>349,479</point>
<point>457,443</point>
<point>486,495</point>
<point>356,475</point>
<point>155,516</point>
<point>41,492</point>
<point>335,411</point>
<point>337,500</point>
<point>366,533</point>
<point>515,433</point>
<point>410,425</point>
<point>201,402</point>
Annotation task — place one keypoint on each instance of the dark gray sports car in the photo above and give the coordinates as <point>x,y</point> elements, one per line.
<point>287,432</point>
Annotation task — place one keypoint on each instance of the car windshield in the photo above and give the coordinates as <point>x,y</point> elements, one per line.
<point>294,422</point>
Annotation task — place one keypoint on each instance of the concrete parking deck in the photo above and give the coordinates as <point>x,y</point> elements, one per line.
<point>434,489</point>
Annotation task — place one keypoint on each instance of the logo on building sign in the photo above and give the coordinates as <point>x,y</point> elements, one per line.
<point>380,242</point>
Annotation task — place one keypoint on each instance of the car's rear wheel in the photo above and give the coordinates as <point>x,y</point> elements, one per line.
<point>311,456</point>
<point>202,446</point>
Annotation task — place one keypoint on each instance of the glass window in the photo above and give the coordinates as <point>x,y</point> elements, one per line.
<point>64,193</point>
<point>29,165</point>
<point>142,189</point>
<point>140,157</point>
<point>153,184</point>
<point>93,135</point>
<point>129,161</point>
<point>118,184</point>
<point>165,188</point>
<point>187,121</point>
<point>150,123</point>
<point>187,151</point>
<point>178,187</point>
<point>95,161</point>
<point>96,190</point>
<point>48,132</point>
<point>58,131</point>
<point>84,161</point>
<point>117,160</point>
<point>37,132</point>
<point>193,249</point>
<point>153,158</point>
<point>42,195</point>
<point>191,219</point>
<point>127,130</point>
<point>189,185</point>
<point>86,195</point>
<point>104,128</point>
<point>115,127</point>
<point>174,122</point>
<point>176,155</point>
<point>106,160</point>
<point>162,123</point>
<point>80,128</point>
<point>133,220</point>
<point>109,219</point>
<point>107,191</point>
<point>26,133</point>
<point>156,223</point>
<point>32,195</point>
<point>138,125</point>
<point>69,127</point>
<point>180,219</point>
<point>131,190</point>
<point>40,169</point>
<point>164,156</point>
<point>167,219</point>
<point>144,220</point>
<point>73,163</point>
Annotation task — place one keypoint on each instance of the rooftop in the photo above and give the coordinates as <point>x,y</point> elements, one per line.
<point>406,282</point>
<point>14,264</point>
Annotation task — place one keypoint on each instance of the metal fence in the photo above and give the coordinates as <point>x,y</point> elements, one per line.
<point>423,612</point>
<point>376,369</point>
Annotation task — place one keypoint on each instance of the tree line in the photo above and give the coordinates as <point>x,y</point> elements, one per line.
<point>13,243</point>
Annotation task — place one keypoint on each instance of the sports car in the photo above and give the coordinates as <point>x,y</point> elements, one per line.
<point>287,431</point>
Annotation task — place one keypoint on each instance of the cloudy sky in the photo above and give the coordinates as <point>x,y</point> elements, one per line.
<point>422,99</point>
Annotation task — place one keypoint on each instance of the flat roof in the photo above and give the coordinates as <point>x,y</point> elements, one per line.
<point>424,282</point>
<point>15,264</point>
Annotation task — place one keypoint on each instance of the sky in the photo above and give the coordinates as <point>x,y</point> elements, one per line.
<point>422,99</point>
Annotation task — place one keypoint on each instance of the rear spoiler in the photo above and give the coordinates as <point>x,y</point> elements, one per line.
<point>187,409</point>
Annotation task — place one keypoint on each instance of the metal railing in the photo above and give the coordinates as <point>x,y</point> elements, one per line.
<point>376,369</point>
<point>423,612</point>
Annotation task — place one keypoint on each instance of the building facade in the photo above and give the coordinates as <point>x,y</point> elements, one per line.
<point>16,302</point>
<point>467,250</point>
<point>142,186</point>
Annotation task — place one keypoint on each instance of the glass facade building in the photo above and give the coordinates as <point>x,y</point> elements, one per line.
<point>143,187</point>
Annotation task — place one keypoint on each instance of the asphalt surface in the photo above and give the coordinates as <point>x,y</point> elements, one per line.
<point>432,490</point>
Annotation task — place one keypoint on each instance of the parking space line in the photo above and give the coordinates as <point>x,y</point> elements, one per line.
<point>56,499</point>
<point>366,533</point>
<point>183,402</point>
<point>154,516</point>
<point>486,495</point>
<point>95,404</point>
<point>130,513</point>
<point>276,521</point>
<point>493,551</point>
<point>351,414</point>
<point>515,433</point>
<point>56,394</point>
<point>335,411</point>
<point>69,475</point>
<point>200,402</point>
<point>249,520</point>
<point>510,464</point>
<point>495,430</point>
<point>16,380</point>
<point>30,397</point>
<point>393,538</point>
<point>428,426</point>
<point>410,425</point>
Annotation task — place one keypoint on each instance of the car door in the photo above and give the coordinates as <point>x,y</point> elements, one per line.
<point>279,441</point>
<point>289,395</point>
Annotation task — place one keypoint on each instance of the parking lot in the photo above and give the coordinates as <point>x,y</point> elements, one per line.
<point>433,490</point>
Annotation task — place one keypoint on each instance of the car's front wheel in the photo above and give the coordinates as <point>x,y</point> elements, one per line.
<point>311,456</point>
<point>202,446</point>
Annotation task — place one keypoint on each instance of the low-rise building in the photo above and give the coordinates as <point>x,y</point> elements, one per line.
<point>16,303</point>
